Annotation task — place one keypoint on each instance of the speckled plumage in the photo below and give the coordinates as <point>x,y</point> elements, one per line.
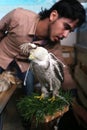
<point>47,69</point>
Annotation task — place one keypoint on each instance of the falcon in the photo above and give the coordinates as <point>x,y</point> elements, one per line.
<point>46,67</point>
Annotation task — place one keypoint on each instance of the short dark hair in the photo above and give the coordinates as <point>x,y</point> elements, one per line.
<point>71,9</point>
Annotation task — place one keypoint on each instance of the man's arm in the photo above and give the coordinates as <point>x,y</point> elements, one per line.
<point>5,24</point>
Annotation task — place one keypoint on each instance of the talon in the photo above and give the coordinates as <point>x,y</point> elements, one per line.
<point>52,99</point>
<point>40,97</point>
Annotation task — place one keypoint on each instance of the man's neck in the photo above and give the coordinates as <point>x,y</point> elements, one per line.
<point>42,29</point>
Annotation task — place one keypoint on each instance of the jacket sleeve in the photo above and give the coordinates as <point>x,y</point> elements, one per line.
<point>5,24</point>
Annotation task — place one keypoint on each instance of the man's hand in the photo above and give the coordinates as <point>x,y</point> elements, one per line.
<point>26,47</point>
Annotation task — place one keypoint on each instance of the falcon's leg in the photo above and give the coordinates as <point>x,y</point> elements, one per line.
<point>52,99</point>
<point>40,97</point>
<point>51,91</point>
<point>54,93</point>
<point>44,93</point>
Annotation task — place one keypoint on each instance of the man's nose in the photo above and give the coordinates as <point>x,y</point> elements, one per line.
<point>66,33</point>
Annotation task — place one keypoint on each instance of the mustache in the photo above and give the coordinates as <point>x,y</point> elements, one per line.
<point>51,43</point>
<point>60,38</point>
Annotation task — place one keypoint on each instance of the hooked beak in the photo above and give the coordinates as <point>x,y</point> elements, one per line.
<point>31,57</point>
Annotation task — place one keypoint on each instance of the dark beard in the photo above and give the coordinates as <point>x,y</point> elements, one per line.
<point>51,43</point>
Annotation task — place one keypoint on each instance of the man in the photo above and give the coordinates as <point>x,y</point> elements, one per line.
<point>22,26</point>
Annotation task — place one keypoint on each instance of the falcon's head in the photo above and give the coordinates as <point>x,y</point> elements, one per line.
<point>38,54</point>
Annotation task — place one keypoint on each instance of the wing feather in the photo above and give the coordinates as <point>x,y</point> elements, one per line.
<point>48,70</point>
<point>58,67</point>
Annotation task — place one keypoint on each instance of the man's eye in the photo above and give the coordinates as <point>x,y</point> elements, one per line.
<point>67,27</point>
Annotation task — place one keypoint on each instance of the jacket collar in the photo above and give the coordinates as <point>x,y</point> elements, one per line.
<point>34,25</point>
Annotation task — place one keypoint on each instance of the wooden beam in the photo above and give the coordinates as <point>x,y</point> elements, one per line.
<point>5,96</point>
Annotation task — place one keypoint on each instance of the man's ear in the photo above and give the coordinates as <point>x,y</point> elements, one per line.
<point>54,15</point>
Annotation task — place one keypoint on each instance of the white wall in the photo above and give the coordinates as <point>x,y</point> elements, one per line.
<point>70,40</point>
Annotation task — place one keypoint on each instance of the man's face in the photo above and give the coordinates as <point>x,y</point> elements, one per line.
<point>59,28</point>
